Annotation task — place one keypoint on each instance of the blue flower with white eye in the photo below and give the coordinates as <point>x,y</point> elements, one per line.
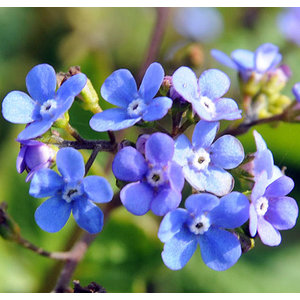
<point>70,192</point>
<point>204,223</point>
<point>133,105</point>
<point>205,94</point>
<point>271,210</point>
<point>203,161</point>
<point>157,179</point>
<point>44,106</point>
<point>265,58</point>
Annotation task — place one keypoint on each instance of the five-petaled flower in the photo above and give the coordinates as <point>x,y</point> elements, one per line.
<point>69,192</point>
<point>204,222</point>
<point>158,180</point>
<point>134,105</point>
<point>203,161</point>
<point>265,58</point>
<point>44,106</point>
<point>271,210</point>
<point>205,94</point>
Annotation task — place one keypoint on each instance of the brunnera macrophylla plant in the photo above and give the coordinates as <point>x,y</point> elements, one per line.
<point>152,169</point>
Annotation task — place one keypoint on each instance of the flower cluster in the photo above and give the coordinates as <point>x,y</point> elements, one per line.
<point>153,171</point>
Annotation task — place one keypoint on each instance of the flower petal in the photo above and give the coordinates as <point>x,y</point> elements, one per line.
<point>71,87</point>
<point>45,183</point>
<point>18,108</point>
<point>88,215</point>
<point>244,59</point>
<point>218,181</point>
<point>280,187</point>
<point>213,84</point>
<point>179,249</point>
<point>196,179</point>
<point>296,91</point>
<point>152,81</point>
<point>197,204</point>
<point>157,108</point>
<point>112,119</point>
<point>53,214</point>
<point>202,111</point>
<point>227,152</point>
<point>183,149</point>
<point>282,213</point>
<point>184,81</point>
<point>70,164</point>
<point>252,220</point>
<point>227,109</point>
<point>171,224</point>
<point>259,187</point>
<point>265,55</point>
<point>166,200</point>
<point>232,212</point>
<point>119,88</point>
<point>41,82</point>
<point>176,177</point>
<point>129,165</point>
<point>263,161</point>
<point>223,58</point>
<point>20,163</point>
<point>159,148</point>
<point>220,249</point>
<point>98,189</point>
<point>137,197</point>
<point>204,133</point>
<point>267,233</point>
<point>35,129</point>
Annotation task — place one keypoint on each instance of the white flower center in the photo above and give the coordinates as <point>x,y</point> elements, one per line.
<point>200,160</point>
<point>199,225</point>
<point>136,108</point>
<point>71,192</point>
<point>156,177</point>
<point>261,206</point>
<point>48,107</point>
<point>208,104</point>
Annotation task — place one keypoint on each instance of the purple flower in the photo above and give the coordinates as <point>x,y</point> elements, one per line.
<point>157,180</point>
<point>270,209</point>
<point>296,91</point>
<point>203,24</point>
<point>205,94</point>
<point>33,156</point>
<point>134,105</point>
<point>69,192</point>
<point>289,22</point>
<point>204,222</point>
<point>203,161</point>
<point>263,160</point>
<point>44,106</point>
<point>265,58</point>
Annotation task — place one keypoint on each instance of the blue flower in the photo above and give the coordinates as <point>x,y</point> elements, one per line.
<point>205,94</point>
<point>134,105</point>
<point>203,161</point>
<point>265,58</point>
<point>289,22</point>
<point>33,156</point>
<point>204,222</point>
<point>202,24</point>
<point>271,210</point>
<point>44,106</point>
<point>157,180</point>
<point>69,192</point>
<point>296,91</point>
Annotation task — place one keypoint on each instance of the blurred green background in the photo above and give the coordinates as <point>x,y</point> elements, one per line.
<point>126,256</point>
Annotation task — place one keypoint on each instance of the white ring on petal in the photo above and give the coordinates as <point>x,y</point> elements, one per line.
<point>200,225</point>
<point>200,159</point>
<point>136,108</point>
<point>261,206</point>
<point>208,104</point>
